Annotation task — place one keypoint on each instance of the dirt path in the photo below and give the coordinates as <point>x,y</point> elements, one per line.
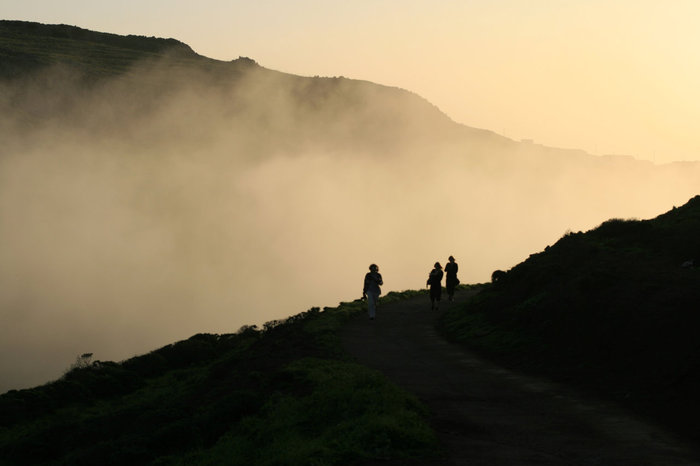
<point>487,415</point>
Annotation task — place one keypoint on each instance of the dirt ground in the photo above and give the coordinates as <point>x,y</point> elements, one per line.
<point>487,415</point>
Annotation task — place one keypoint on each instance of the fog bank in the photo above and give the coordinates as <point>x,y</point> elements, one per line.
<point>140,211</point>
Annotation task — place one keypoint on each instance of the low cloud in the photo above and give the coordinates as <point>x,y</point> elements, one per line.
<point>142,210</point>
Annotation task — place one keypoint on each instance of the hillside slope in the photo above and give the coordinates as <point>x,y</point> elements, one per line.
<point>283,394</point>
<point>614,310</point>
<point>73,65</point>
<point>27,47</point>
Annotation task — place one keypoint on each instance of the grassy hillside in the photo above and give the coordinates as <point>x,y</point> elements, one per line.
<point>281,395</point>
<point>26,47</point>
<point>614,310</point>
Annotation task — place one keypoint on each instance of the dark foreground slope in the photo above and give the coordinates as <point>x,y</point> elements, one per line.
<point>484,414</point>
<point>614,310</point>
<point>284,394</point>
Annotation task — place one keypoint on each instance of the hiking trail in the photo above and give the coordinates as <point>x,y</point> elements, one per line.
<point>487,415</point>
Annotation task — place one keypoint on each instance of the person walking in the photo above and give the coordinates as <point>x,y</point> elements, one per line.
<point>435,284</point>
<point>371,290</point>
<point>451,280</point>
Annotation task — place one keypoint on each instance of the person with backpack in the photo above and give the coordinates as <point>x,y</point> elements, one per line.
<point>371,290</point>
<point>451,280</point>
<point>435,284</point>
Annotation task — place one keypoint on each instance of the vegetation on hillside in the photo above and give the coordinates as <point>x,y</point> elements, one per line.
<point>27,47</point>
<point>282,395</point>
<point>613,310</point>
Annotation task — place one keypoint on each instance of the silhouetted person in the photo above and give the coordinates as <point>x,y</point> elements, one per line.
<point>371,290</point>
<point>435,284</point>
<point>451,280</point>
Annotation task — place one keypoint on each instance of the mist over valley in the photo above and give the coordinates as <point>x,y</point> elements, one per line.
<point>163,194</point>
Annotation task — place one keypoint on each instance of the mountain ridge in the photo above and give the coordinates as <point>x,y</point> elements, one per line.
<point>82,56</point>
<point>19,61</point>
<point>25,51</point>
<point>24,48</point>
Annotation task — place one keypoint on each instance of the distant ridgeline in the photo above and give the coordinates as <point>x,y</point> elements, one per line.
<point>26,47</point>
<point>156,70</point>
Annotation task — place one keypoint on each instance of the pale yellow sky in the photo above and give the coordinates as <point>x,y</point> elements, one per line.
<point>606,76</point>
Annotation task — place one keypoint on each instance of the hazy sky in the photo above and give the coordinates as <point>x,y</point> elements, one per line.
<point>606,76</point>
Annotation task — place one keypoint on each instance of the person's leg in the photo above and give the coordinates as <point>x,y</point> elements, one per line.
<point>451,292</point>
<point>372,305</point>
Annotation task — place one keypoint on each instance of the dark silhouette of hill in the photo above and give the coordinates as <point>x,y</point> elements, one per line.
<point>66,58</point>
<point>613,310</point>
<point>283,394</point>
<point>486,414</point>
<point>27,47</point>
